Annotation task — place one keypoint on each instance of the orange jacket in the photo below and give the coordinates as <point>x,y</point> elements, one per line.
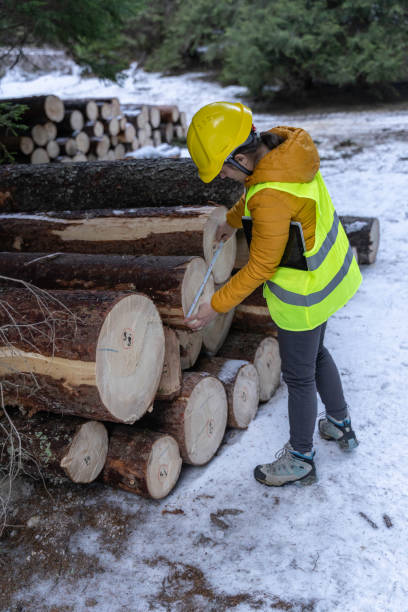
<point>296,160</point>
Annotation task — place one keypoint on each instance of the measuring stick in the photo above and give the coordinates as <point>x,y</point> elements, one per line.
<point>206,277</point>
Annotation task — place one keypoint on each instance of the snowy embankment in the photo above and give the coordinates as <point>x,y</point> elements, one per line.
<point>221,540</point>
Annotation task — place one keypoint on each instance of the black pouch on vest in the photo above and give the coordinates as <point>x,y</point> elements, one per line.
<point>295,247</point>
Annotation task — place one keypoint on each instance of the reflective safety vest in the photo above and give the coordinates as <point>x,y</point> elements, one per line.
<point>299,300</point>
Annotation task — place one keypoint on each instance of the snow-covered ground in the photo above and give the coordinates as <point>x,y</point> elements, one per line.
<point>221,540</point>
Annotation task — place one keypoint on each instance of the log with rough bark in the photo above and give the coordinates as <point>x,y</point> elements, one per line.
<point>73,121</point>
<point>363,234</point>
<point>40,108</point>
<point>170,382</point>
<point>87,107</point>
<point>241,381</point>
<point>171,282</point>
<point>197,418</point>
<point>190,347</point>
<point>93,129</point>
<point>15,143</point>
<point>263,352</point>
<point>56,448</point>
<point>158,231</point>
<point>143,462</point>
<point>128,184</point>
<point>252,315</point>
<point>169,114</point>
<point>98,355</point>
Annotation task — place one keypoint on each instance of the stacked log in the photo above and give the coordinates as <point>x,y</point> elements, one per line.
<point>97,364</point>
<point>54,447</point>
<point>90,129</point>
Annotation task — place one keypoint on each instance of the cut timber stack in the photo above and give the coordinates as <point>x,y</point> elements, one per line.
<point>90,129</point>
<point>85,265</point>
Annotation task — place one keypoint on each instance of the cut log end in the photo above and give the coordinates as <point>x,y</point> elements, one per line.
<point>87,453</point>
<point>245,397</point>
<point>194,276</point>
<point>54,108</point>
<point>268,365</point>
<point>163,467</point>
<point>215,333</point>
<point>190,347</point>
<point>205,420</point>
<point>143,462</point>
<point>170,382</point>
<point>129,357</point>
<point>226,259</point>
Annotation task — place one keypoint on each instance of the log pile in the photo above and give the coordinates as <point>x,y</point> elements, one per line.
<point>90,129</point>
<point>94,341</point>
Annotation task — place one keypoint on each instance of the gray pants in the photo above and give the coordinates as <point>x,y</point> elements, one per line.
<point>307,366</point>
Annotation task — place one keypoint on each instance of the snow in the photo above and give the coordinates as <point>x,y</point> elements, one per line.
<point>328,547</point>
<point>229,369</point>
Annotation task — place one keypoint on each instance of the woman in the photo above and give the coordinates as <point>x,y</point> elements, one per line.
<point>283,187</point>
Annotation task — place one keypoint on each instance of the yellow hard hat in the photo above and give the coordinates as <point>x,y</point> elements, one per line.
<point>215,131</point>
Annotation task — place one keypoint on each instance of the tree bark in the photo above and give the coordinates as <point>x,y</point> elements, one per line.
<point>241,383</point>
<point>56,448</point>
<point>40,108</point>
<point>171,282</point>
<point>262,352</point>
<point>98,355</point>
<point>129,184</point>
<point>196,418</point>
<point>143,462</point>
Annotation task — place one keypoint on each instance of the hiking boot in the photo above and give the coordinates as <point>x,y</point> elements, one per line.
<point>289,467</point>
<point>339,431</point>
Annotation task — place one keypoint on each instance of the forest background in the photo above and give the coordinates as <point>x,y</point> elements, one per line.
<point>290,49</point>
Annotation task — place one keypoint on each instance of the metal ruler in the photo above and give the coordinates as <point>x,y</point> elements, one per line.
<point>206,277</point>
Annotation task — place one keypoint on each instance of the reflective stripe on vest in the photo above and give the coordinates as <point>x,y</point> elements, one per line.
<point>298,299</point>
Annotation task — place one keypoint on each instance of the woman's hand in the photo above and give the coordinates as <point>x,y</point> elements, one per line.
<point>224,231</point>
<point>201,318</point>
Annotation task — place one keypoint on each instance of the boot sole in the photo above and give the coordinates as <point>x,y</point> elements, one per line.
<point>346,449</point>
<point>304,481</point>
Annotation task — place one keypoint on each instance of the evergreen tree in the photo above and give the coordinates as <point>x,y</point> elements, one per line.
<point>90,30</point>
<point>299,43</point>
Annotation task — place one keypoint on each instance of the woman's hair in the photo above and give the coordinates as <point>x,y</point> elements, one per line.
<point>269,139</point>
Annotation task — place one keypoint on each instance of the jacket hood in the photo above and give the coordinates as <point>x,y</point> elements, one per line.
<point>296,160</point>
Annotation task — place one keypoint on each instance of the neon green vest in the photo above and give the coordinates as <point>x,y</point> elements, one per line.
<point>299,300</point>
